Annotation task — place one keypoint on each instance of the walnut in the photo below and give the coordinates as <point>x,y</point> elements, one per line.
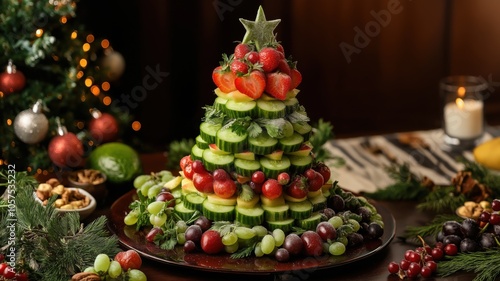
<point>53,182</point>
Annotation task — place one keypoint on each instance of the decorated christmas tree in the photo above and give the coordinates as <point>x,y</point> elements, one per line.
<point>55,86</point>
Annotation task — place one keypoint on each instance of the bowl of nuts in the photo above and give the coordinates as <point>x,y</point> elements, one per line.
<point>69,199</point>
<point>90,180</point>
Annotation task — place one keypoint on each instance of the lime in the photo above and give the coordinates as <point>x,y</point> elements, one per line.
<point>118,161</point>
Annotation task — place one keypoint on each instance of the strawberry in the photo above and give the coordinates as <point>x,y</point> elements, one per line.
<point>280,49</point>
<point>269,58</point>
<point>284,67</point>
<point>278,84</point>
<point>253,57</point>
<point>241,50</point>
<point>251,84</point>
<point>238,67</point>
<point>224,79</point>
<point>296,78</point>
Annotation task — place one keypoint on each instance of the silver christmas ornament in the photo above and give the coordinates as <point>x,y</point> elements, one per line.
<point>31,125</point>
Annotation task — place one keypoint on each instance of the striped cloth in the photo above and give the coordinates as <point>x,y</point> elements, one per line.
<point>366,158</point>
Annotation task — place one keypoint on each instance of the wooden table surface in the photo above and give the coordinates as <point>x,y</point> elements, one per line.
<point>371,268</point>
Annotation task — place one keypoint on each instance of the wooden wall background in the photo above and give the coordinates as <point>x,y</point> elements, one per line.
<point>390,85</point>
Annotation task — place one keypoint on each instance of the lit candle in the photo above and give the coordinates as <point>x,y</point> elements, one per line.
<point>463,118</point>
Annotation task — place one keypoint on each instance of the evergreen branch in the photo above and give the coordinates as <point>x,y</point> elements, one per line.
<point>322,132</point>
<point>483,263</point>
<point>399,191</point>
<point>428,231</point>
<point>244,252</point>
<point>442,200</point>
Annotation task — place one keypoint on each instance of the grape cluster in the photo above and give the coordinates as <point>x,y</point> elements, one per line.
<point>421,261</point>
<point>125,266</point>
<point>472,235</point>
<point>7,272</point>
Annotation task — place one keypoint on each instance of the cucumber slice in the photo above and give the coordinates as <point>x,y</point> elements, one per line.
<point>309,223</point>
<point>303,129</point>
<point>196,153</point>
<point>262,144</point>
<point>236,109</point>
<point>249,216</point>
<point>201,143</point>
<point>285,225</point>
<point>291,105</point>
<point>194,201</point>
<point>213,161</point>
<point>208,131</point>
<point>246,167</point>
<point>220,103</point>
<point>218,212</point>
<point>271,109</point>
<point>298,164</point>
<point>318,202</point>
<point>183,212</point>
<point>300,210</point>
<point>272,168</point>
<point>212,198</point>
<point>276,213</point>
<point>291,143</point>
<point>230,141</point>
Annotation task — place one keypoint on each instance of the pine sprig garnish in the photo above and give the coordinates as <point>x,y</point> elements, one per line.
<point>244,252</point>
<point>483,263</point>
<point>442,200</point>
<point>428,231</point>
<point>322,132</point>
<point>52,245</point>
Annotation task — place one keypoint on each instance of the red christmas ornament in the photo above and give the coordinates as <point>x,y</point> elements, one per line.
<point>65,150</point>
<point>104,127</point>
<point>12,80</point>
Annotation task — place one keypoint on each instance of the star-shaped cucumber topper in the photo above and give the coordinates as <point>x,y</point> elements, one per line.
<point>259,31</point>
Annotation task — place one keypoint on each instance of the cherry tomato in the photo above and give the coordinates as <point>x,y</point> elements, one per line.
<point>272,189</point>
<point>188,171</point>
<point>316,183</point>
<point>129,260</point>
<point>225,188</point>
<point>203,182</point>
<point>211,242</point>
<point>323,169</point>
<point>184,161</point>
<point>297,188</point>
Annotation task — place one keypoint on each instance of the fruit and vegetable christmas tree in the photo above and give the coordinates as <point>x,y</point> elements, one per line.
<point>54,85</point>
<point>252,184</point>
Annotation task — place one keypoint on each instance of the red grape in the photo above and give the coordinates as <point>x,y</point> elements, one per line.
<point>272,189</point>
<point>189,246</point>
<point>211,242</point>
<point>293,244</point>
<point>405,264</point>
<point>129,259</point>
<point>451,249</point>
<point>437,254</point>
<point>220,175</point>
<point>150,237</point>
<point>313,245</point>
<point>283,178</point>
<point>258,177</point>
<point>393,267</point>
<point>9,272</point>
<point>198,167</point>
<point>426,272</point>
<point>166,197</point>
<point>326,231</point>
<point>432,265</point>
<point>282,255</point>
<point>193,233</point>
<point>495,205</point>
<point>203,222</point>
<point>495,219</point>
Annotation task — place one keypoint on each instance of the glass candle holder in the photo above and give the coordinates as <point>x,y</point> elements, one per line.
<point>463,115</point>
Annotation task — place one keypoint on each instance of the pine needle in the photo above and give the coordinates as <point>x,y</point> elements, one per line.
<point>483,263</point>
<point>428,231</point>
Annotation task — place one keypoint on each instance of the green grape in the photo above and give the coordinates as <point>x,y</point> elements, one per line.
<point>115,269</point>
<point>229,239</point>
<point>337,248</point>
<point>101,263</point>
<point>336,221</point>
<point>146,186</point>
<point>231,248</point>
<point>267,244</point>
<point>155,207</point>
<point>140,180</point>
<point>260,230</point>
<point>342,239</point>
<point>131,218</point>
<point>166,176</point>
<point>181,226</point>
<point>279,236</point>
<point>90,269</point>
<point>136,275</point>
<point>181,238</point>
<point>355,224</point>
<point>258,250</point>
<point>158,219</point>
<point>154,190</point>
<point>244,232</point>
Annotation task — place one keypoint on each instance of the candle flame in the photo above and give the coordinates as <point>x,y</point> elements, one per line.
<point>460,103</point>
<point>461,92</point>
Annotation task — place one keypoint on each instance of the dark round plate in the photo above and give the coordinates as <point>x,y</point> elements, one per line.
<point>132,239</point>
